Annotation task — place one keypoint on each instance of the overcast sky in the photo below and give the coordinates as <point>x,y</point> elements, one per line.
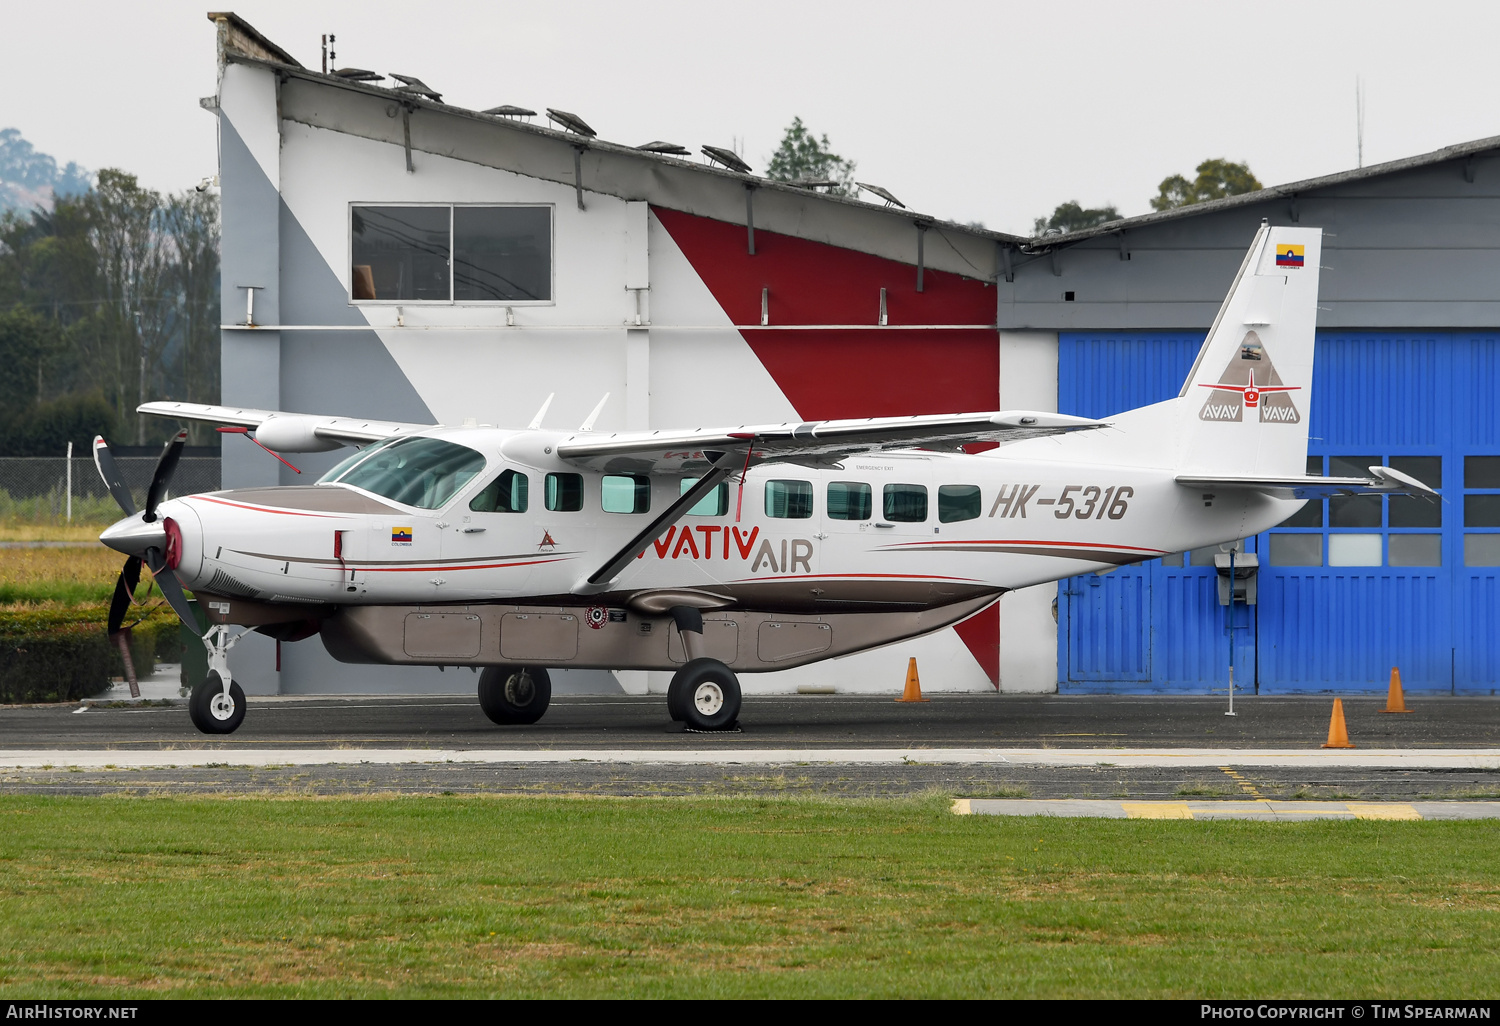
<point>991,112</point>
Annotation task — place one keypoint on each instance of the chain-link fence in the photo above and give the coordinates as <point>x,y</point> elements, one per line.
<point>36,490</point>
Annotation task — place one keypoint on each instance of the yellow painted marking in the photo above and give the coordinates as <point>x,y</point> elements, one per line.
<point>1383,810</point>
<point>1245,785</point>
<point>961,807</point>
<point>1156,810</point>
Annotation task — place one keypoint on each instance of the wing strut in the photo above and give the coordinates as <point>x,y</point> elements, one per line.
<point>600,579</point>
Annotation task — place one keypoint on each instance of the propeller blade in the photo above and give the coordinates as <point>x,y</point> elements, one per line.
<point>125,584</point>
<point>166,465</point>
<point>110,472</point>
<point>171,590</point>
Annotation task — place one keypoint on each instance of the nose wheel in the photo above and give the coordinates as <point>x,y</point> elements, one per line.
<point>216,709</point>
<point>704,695</point>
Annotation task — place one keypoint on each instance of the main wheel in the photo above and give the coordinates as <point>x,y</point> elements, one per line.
<point>514,694</point>
<point>214,712</point>
<point>705,695</point>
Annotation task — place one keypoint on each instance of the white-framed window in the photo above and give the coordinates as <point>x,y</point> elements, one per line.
<point>450,253</point>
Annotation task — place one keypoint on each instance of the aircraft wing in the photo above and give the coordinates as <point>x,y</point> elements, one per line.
<point>343,430</point>
<point>822,442</point>
<point>1382,481</point>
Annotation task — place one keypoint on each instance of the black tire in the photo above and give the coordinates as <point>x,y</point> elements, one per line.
<point>208,710</point>
<point>708,695</point>
<point>514,694</point>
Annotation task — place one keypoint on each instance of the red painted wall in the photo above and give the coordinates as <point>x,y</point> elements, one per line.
<point>865,372</point>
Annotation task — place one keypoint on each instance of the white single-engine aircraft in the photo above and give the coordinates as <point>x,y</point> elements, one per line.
<point>719,551</point>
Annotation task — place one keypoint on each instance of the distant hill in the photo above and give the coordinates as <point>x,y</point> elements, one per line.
<point>30,179</point>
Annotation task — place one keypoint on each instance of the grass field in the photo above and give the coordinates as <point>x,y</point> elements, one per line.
<point>84,575</point>
<point>729,897</point>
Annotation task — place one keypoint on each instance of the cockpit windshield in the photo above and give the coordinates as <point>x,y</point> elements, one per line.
<point>420,472</point>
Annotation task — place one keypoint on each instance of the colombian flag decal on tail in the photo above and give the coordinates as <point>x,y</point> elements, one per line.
<point>1288,255</point>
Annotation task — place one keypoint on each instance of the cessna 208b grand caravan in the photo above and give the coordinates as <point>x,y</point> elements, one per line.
<point>719,551</point>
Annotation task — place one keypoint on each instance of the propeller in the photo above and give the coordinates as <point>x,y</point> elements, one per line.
<point>145,537</point>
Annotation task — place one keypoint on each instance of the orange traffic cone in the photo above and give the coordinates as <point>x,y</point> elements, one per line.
<point>1338,734</point>
<point>1395,701</point>
<point>913,692</point>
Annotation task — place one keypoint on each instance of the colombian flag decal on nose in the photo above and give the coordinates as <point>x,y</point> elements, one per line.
<point>1288,255</point>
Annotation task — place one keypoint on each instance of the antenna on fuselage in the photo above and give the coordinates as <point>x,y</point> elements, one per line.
<point>536,421</point>
<point>588,425</point>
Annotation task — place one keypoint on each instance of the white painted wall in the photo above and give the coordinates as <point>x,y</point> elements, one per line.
<point>1028,629</point>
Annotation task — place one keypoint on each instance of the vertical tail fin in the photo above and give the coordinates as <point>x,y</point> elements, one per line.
<point>1245,404</point>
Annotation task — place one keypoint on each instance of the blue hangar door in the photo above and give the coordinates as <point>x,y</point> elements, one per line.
<point>1349,587</point>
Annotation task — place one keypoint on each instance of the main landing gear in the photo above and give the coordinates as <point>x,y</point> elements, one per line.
<point>217,704</point>
<point>704,694</point>
<point>514,694</point>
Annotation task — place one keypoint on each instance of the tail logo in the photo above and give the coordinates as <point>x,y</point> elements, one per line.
<point>1250,382</point>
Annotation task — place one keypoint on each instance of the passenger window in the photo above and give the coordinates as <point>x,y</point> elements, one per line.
<point>905,503</point>
<point>789,500</point>
<point>505,494</point>
<point>848,500</point>
<point>714,504</point>
<point>564,492</point>
<point>625,493</point>
<point>958,502</point>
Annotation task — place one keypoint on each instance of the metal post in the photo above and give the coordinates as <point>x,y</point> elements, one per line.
<point>921,240</point>
<point>578,175</point>
<point>1229,613</point>
<point>70,482</point>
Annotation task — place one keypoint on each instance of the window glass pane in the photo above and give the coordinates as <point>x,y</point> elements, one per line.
<point>502,254</point>
<point>400,253</point>
<point>1310,515</point>
<point>1416,549</point>
<point>1172,559</point>
<point>1354,510</point>
<point>421,472</point>
<point>1205,556</point>
<point>905,503</point>
<point>625,493</point>
<point>1481,472</point>
<point>1352,466</point>
<point>565,492</point>
<point>1482,550</point>
<point>1482,510</point>
<point>849,500</point>
<point>358,456</point>
<point>1415,511</point>
<point>789,500</point>
<point>505,494</point>
<point>714,504</point>
<point>1354,550</point>
<point>1296,550</point>
<point>1315,466</point>
<point>958,502</point>
<point>1427,469</point>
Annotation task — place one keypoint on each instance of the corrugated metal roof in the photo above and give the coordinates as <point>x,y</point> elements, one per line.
<point>1457,151</point>
<point>248,45</point>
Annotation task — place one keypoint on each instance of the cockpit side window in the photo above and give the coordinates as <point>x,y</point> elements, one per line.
<point>506,494</point>
<point>420,472</point>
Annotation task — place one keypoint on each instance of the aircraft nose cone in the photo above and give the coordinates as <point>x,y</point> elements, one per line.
<point>133,536</point>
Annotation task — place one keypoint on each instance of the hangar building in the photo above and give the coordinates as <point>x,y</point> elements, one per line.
<point>389,256</point>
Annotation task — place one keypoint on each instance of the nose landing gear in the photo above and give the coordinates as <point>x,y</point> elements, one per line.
<point>217,704</point>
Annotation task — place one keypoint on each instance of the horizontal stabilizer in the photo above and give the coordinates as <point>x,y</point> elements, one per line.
<point>1382,481</point>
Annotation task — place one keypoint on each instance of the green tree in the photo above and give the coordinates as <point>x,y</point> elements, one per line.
<point>1072,217</point>
<point>803,156</point>
<point>1216,179</point>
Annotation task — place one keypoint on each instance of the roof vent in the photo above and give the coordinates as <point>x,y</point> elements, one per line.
<point>728,158</point>
<point>669,148</point>
<point>417,86</point>
<point>505,110</point>
<point>571,122</point>
<point>358,74</point>
<point>882,193</point>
